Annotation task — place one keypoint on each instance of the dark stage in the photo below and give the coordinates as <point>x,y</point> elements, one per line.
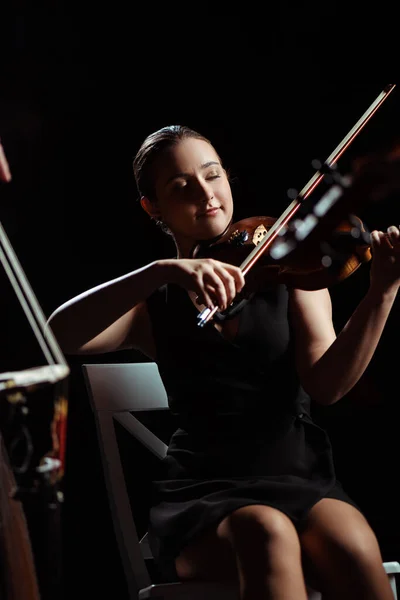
<point>79,90</point>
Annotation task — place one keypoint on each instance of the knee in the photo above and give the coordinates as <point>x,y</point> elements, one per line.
<point>361,549</point>
<point>258,525</point>
<point>357,547</point>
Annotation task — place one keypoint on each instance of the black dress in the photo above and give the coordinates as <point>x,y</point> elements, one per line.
<point>245,434</point>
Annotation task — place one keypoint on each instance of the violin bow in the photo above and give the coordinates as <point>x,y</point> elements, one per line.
<point>207,313</point>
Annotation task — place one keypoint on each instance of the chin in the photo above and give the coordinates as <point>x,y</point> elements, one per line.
<point>214,230</point>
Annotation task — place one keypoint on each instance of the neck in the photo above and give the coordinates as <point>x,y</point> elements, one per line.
<point>190,249</point>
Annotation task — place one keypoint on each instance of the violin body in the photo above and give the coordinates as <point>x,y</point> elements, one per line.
<point>317,262</point>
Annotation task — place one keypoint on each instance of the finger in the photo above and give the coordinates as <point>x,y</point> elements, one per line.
<point>212,278</point>
<point>206,296</point>
<point>393,234</point>
<point>229,284</point>
<point>220,291</point>
<point>378,240</point>
<point>199,286</point>
<point>237,273</point>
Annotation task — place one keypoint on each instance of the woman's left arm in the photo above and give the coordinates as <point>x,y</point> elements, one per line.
<point>330,365</point>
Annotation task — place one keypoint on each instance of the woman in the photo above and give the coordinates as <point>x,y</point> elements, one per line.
<point>248,488</point>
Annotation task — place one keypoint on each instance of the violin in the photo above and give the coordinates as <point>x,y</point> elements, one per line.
<point>312,245</point>
<point>309,253</point>
<point>316,264</point>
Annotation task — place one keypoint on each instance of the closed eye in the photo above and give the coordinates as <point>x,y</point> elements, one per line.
<point>180,184</point>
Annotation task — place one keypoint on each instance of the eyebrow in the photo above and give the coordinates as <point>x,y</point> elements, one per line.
<point>203,166</point>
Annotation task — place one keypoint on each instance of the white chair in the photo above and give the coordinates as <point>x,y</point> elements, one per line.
<point>115,392</point>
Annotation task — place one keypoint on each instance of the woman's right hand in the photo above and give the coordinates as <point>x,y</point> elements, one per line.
<point>214,282</point>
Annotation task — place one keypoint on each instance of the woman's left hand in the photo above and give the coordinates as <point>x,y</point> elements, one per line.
<point>385,268</point>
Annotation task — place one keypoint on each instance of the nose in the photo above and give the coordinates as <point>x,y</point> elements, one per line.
<point>206,193</point>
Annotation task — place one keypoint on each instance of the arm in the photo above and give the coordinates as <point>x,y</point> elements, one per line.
<point>329,366</point>
<point>109,316</point>
<point>101,318</point>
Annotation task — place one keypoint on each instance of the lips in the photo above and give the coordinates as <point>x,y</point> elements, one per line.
<point>210,212</point>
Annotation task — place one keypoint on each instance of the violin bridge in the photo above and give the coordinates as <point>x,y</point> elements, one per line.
<point>259,234</point>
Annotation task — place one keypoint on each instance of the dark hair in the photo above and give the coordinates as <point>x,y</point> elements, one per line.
<point>153,146</point>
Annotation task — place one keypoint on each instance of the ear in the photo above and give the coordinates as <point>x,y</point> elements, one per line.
<point>150,207</point>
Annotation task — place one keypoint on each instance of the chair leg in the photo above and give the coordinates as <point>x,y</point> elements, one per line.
<point>392,569</point>
<point>392,580</point>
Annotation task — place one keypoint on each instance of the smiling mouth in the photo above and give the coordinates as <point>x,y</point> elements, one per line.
<point>210,212</point>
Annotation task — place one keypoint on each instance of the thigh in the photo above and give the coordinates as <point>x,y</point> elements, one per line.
<point>341,552</point>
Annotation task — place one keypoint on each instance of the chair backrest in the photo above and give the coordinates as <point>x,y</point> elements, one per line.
<point>116,391</point>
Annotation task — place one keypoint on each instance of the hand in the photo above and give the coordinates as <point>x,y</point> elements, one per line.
<point>385,268</point>
<point>216,283</point>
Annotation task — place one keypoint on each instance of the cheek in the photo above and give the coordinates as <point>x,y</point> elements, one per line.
<point>178,214</point>
<point>228,201</point>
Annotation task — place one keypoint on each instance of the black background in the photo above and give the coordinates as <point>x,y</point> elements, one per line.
<point>273,88</point>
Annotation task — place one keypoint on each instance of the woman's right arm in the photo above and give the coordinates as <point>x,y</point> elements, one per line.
<point>101,318</point>
<point>105,318</point>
